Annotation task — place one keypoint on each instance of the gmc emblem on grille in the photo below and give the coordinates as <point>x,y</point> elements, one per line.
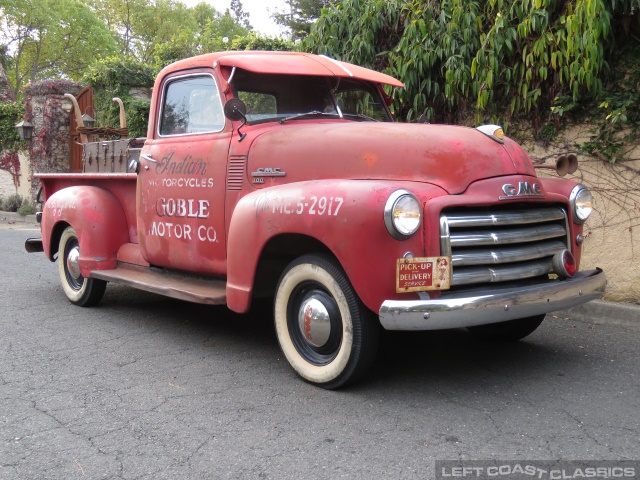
<point>524,189</point>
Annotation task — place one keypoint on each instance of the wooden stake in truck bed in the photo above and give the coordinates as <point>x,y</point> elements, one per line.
<point>284,175</point>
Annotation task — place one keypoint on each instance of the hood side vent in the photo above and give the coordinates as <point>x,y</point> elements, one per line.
<point>236,172</point>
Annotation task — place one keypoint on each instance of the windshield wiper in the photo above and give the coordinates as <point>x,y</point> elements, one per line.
<point>308,114</point>
<point>361,116</point>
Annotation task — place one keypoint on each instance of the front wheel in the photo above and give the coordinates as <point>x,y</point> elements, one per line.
<point>328,336</point>
<point>510,331</point>
<point>81,291</point>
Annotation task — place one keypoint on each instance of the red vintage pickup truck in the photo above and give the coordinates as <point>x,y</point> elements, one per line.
<point>284,175</point>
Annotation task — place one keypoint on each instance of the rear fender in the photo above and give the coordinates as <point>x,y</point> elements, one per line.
<point>96,216</point>
<point>347,217</point>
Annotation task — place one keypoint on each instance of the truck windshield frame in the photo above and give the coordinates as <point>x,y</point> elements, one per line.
<point>272,98</point>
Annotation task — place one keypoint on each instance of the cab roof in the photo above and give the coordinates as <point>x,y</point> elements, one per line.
<point>285,63</point>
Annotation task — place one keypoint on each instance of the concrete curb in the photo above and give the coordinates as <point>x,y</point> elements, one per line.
<point>13,217</point>
<point>602,312</point>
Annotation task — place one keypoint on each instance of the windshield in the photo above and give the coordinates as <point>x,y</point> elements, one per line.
<point>278,97</point>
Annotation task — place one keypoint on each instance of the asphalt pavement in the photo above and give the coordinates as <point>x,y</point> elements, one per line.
<point>145,387</point>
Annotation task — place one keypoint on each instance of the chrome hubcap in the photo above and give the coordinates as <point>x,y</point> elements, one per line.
<point>73,264</point>
<point>314,322</point>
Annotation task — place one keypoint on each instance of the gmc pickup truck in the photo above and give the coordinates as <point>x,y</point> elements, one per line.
<point>284,175</point>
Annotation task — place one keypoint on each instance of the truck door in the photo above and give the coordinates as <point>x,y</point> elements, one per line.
<point>181,183</point>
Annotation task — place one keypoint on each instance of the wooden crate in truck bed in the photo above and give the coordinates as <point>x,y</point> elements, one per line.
<point>110,156</point>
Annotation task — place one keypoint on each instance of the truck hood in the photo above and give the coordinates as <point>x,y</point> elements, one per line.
<point>450,157</point>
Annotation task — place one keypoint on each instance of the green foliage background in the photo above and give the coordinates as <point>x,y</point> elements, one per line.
<point>488,61</point>
<point>10,114</point>
<point>115,77</point>
<point>50,39</point>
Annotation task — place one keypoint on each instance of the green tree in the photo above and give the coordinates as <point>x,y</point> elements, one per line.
<point>240,16</point>
<point>203,14</point>
<point>217,30</point>
<point>119,16</point>
<point>300,16</point>
<point>51,38</point>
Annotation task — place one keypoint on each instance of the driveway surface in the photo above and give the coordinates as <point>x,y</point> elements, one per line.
<point>143,387</point>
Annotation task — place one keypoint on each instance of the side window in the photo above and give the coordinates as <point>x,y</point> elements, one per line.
<point>191,105</point>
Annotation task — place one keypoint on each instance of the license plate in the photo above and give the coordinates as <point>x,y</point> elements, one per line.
<point>423,274</point>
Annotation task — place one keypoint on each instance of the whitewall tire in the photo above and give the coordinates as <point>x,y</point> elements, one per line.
<point>327,335</point>
<point>81,291</point>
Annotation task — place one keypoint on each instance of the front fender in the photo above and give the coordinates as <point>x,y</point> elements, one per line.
<point>98,219</point>
<point>345,216</point>
<point>563,187</point>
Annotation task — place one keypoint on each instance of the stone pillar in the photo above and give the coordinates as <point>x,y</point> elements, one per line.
<point>48,111</point>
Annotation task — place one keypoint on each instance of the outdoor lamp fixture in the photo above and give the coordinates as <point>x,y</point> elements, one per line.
<point>25,130</point>
<point>88,121</point>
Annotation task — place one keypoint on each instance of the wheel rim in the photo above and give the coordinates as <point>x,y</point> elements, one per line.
<point>72,265</point>
<point>314,323</point>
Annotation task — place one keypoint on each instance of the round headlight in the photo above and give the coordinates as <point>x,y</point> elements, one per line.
<point>582,203</point>
<point>402,214</point>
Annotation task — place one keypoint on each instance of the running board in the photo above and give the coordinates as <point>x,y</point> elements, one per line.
<point>209,291</point>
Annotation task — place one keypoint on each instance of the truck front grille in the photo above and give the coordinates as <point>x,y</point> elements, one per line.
<point>502,245</point>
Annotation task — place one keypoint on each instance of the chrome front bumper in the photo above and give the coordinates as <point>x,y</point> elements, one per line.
<point>492,306</point>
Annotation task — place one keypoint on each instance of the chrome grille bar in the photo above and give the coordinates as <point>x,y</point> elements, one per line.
<point>515,217</point>
<point>503,245</point>
<point>479,256</point>
<point>502,273</point>
<point>519,235</point>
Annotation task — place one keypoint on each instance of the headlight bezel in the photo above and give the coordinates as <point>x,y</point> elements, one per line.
<point>390,220</point>
<point>580,215</point>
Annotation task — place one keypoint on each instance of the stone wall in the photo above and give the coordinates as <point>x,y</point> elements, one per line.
<point>7,187</point>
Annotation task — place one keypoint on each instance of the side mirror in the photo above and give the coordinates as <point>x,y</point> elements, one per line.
<point>235,110</point>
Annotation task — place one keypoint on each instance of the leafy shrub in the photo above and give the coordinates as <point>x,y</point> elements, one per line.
<point>26,209</point>
<point>10,114</point>
<point>12,203</point>
<point>257,42</point>
<point>137,116</point>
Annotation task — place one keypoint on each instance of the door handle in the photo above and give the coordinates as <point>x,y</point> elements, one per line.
<point>147,157</point>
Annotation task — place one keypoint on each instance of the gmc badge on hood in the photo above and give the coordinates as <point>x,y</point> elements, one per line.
<point>524,189</point>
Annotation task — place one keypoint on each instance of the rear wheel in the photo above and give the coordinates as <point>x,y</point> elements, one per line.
<point>81,291</point>
<point>510,331</point>
<point>328,336</point>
